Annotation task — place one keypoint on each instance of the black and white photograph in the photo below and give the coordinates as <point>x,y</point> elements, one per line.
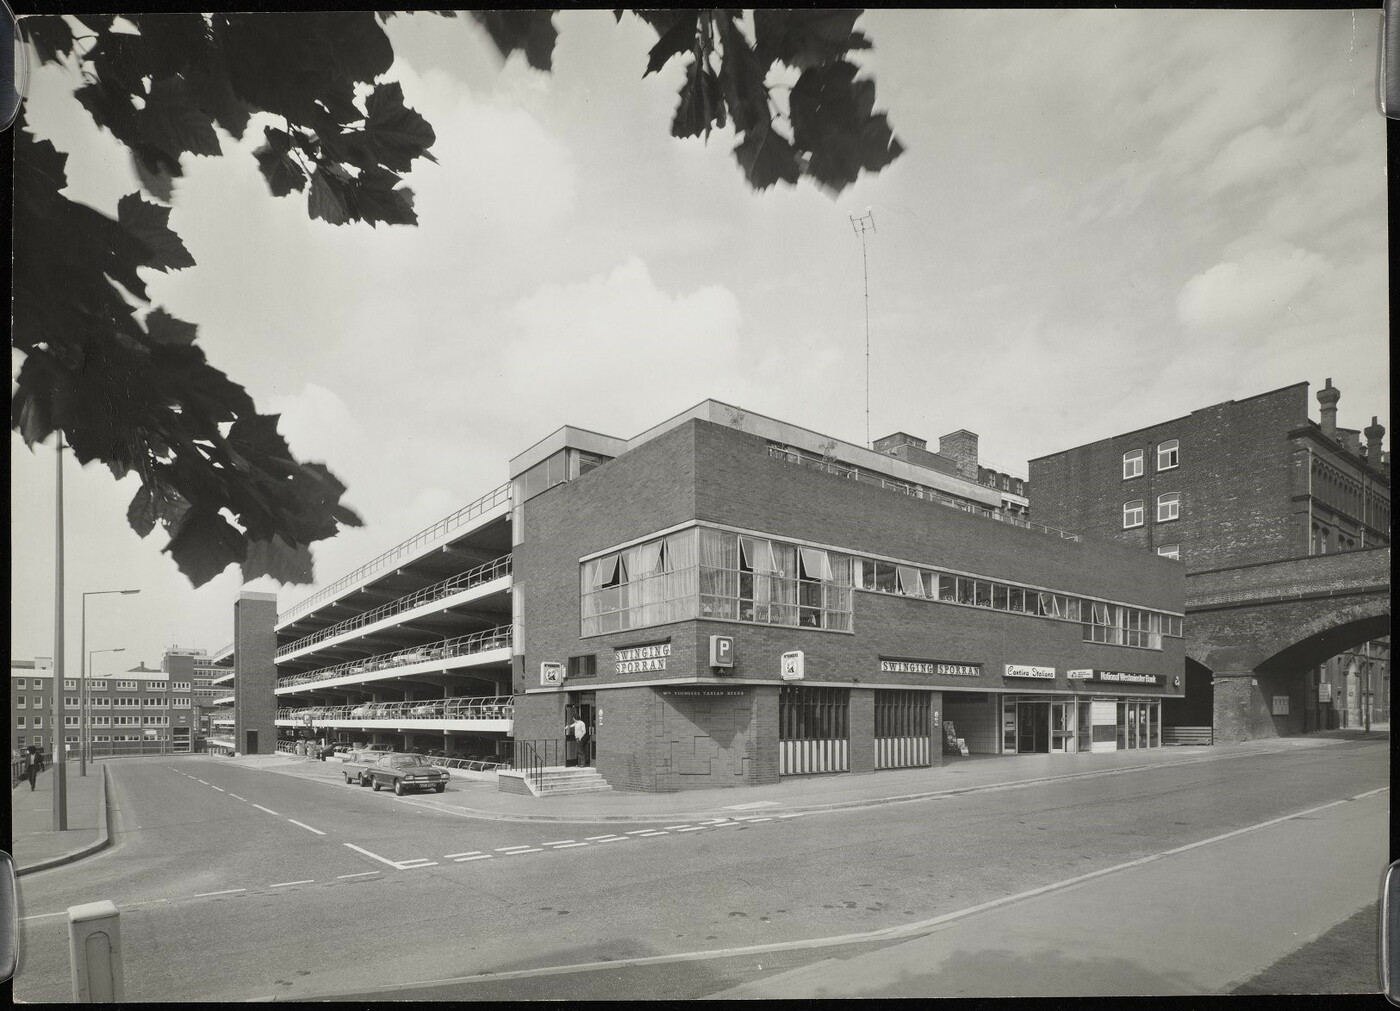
<point>676,504</point>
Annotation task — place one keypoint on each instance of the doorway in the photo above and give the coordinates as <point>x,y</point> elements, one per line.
<point>584,706</point>
<point>1032,727</point>
<point>250,738</point>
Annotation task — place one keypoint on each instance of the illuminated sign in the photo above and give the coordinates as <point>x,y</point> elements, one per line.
<point>968,670</point>
<point>1019,671</point>
<point>642,658</point>
<point>721,651</point>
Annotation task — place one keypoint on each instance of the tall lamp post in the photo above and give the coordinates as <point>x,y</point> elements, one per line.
<point>87,659</point>
<point>84,739</point>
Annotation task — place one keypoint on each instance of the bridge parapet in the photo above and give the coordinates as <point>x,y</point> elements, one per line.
<point>1342,574</point>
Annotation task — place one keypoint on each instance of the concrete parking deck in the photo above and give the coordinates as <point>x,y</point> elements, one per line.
<point>480,798</point>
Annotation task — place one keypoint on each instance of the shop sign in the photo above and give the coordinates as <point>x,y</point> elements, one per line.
<point>721,651</point>
<point>702,692</point>
<point>1020,671</point>
<point>1127,677</point>
<point>793,665</point>
<point>1324,692</point>
<point>550,674</point>
<point>637,659</point>
<point>1079,675</point>
<point>969,670</point>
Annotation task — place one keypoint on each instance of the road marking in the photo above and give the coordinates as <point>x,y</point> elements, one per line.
<point>597,838</point>
<point>362,874</point>
<point>284,884</point>
<point>373,856</point>
<point>307,827</point>
<point>201,781</point>
<point>648,834</point>
<point>230,891</point>
<point>557,842</point>
<point>884,933</point>
<point>42,916</point>
<point>516,853</point>
<point>757,820</point>
<point>616,838</point>
<point>1370,793</point>
<point>751,805</point>
<point>672,828</point>
<point>267,809</point>
<point>418,867</point>
<point>693,828</point>
<point>479,856</point>
<point>638,831</point>
<point>469,853</point>
<point>415,860</point>
<point>219,788</point>
<point>507,849</point>
<point>795,814</point>
<point>236,797</point>
<point>568,845</point>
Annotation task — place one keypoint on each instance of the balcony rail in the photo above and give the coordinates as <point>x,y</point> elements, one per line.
<point>494,707</point>
<point>484,573</point>
<point>430,535</point>
<point>913,491</point>
<point>224,700</point>
<point>441,761</point>
<point>443,649</point>
<point>220,653</point>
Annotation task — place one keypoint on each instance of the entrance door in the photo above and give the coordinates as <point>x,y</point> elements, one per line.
<point>1033,727</point>
<point>585,705</point>
<point>251,742</point>
<point>1062,727</point>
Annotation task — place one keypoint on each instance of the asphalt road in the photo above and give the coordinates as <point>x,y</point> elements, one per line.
<point>237,883</point>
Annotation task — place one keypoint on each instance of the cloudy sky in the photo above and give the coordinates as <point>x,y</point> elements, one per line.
<point>1102,220</point>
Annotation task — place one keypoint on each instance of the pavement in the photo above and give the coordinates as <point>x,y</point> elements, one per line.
<point>480,798</point>
<point>35,845</point>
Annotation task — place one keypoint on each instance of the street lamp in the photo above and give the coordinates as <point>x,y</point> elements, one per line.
<point>84,743</point>
<point>82,686</point>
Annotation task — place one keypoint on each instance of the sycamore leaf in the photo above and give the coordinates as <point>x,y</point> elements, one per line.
<point>678,39</point>
<point>204,544</point>
<point>376,199</point>
<point>831,117</point>
<point>283,172</point>
<point>806,38</point>
<point>396,133</point>
<point>50,34</point>
<point>147,223</point>
<point>166,329</point>
<point>742,77</point>
<point>701,103</point>
<point>173,123</point>
<point>766,157</point>
<point>284,562</point>
<point>531,32</point>
<point>155,179</point>
<point>327,198</point>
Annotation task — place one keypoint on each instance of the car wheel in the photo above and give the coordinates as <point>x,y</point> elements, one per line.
<point>440,787</point>
<point>398,789</point>
<point>348,779</point>
<point>374,783</point>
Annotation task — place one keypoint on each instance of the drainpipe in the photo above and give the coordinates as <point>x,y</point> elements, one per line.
<point>1310,526</point>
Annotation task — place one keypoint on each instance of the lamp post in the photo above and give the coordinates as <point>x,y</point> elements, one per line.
<point>84,739</point>
<point>82,685</point>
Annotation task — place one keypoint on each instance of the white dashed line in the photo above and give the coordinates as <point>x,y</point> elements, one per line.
<point>596,838</point>
<point>236,797</point>
<point>307,827</point>
<point>373,856</point>
<point>201,781</point>
<point>795,814</point>
<point>479,856</point>
<point>568,845</point>
<point>507,849</point>
<point>469,853</point>
<point>219,788</point>
<point>267,809</point>
<point>418,867</point>
<point>616,838</point>
<point>284,884</point>
<point>649,834</point>
<point>230,891</point>
<point>362,874</point>
<point>557,842</point>
<point>696,828</point>
<point>516,853</point>
<point>672,828</point>
<point>415,860</point>
<point>756,820</point>
<point>638,831</point>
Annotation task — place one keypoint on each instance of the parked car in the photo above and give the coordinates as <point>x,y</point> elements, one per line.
<point>427,709</point>
<point>403,773</point>
<point>366,753</point>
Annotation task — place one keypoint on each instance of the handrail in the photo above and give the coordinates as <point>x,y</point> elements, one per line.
<point>484,573</point>
<point>487,707</point>
<point>913,491</point>
<point>428,535</point>
<point>442,649</point>
<point>533,757</point>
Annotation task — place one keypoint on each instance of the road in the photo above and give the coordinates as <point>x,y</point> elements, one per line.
<point>238,883</point>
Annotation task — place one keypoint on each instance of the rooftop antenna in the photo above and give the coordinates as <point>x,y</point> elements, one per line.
<point>862,224</point>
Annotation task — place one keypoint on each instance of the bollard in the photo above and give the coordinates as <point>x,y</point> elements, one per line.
<point>95,953</point>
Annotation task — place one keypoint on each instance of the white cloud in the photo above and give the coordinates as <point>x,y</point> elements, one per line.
<point>316,423</point>
<point>1248,292</point>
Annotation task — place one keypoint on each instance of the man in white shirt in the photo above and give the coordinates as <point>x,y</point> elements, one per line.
<point>580,731</point>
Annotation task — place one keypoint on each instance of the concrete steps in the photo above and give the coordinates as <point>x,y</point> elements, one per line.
<point>557,782</point>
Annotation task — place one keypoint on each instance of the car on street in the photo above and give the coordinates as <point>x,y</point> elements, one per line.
<point>402,773</point>
<point>366,753</point>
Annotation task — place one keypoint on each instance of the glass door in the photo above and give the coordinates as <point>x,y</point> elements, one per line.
<point>1062,726</point>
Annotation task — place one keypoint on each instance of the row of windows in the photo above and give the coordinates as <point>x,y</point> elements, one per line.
<point>100,685</point>
<point>1168,458</point>
<point>913,581</point>
<point>1168,509</point>
<point>38,722</point>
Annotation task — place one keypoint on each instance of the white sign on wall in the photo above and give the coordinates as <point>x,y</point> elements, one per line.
<point>637,659</point>
<point>1324,692</point>
<point>1015,670</point>
<point>551,674</point>
<point>793,665</point>
<point>1280,705</point>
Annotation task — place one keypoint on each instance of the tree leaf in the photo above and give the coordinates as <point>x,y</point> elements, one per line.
<point>166,329</point>
<point>172,121</point>
<point>531,32</point>
<point>767,157</point>
<point>147,223</point>
<point>287,563</point>
<point>678,39</point>
<point>831,117</point>
<point>806,38</point>
<point>376,199</point>
<point>742,79</point>
<point>204,544</point>
<point>282,172</point>
<point>155,180</point>
<point>50,35</point>
<point>701,103</point>
<point>397,135</point>
<point>327,198</point>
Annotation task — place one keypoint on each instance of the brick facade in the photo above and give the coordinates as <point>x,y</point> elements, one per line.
<point>255,678</point>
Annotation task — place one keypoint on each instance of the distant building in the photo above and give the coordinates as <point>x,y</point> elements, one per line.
<point>1237,484</point>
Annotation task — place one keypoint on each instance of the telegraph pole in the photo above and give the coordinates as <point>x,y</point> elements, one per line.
<point>862,224</point>
<point>60,784</point>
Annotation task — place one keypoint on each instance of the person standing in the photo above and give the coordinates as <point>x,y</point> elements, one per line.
<point>31,765</point>
<point>580,732</point>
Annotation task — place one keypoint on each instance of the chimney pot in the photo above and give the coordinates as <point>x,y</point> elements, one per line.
<point>1327,397</point>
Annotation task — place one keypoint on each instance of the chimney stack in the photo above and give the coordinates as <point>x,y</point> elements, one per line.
<point>961,448</point>
<point>1375,432</point>
<point>1328,397</point>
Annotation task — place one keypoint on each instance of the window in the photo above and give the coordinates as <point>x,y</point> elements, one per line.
<point>1168,507</point>
<point>20,703</point>
<point>1132,464</point>
<point>179,686</point>
<point>70,683</point>
<point>1169,550</point>
<point>22,683</point>
<point>70,721</point>
<point>127,685</point>
<point>179,702</point>
<point>1132,514</point>
<point>70,702</point>
<point>71,739</point>
<point>97,686</point>
<point>19,722</point>
<point>1168,454</point>
<point>585,666</point>
<point>156,686</point>
<point>101,721</point>
<point>38,722</point>
<point>20,740</point>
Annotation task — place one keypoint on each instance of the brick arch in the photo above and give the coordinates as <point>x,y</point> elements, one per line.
<point>1321,639</point>
<point>1289,633</point>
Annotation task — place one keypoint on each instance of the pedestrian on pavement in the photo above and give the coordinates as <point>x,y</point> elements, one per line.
<point>580,731</point>
<point>31,765</point>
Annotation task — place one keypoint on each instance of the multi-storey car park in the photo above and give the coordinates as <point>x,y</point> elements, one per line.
<point>866,606</point>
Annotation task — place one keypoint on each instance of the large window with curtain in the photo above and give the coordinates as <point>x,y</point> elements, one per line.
<point>710,573</point>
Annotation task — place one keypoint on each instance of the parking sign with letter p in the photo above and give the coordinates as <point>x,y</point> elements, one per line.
<point>721,651</point>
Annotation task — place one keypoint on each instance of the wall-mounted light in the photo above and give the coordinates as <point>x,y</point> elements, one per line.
<point>1176,682</point>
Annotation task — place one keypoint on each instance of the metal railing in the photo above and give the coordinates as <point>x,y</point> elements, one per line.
<point>16,771</point>
<point>441,761</point>
<point>220,653</point>
<point>424,537</point>
<point>224,700</point>
<point>484,573</point>
<point>493,707</point>
<point>443,649</point>
<point>215,743</point>
<point>533,757</point>
<point>914,491</point>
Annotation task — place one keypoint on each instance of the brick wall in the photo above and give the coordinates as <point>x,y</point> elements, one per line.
<point>977,723</point>
<point>861,721</point>
<point>255,677</point>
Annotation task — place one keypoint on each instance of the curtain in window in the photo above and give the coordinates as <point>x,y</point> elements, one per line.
<point>782,584</point>
<point>909,581</point>
<point>719,562</point>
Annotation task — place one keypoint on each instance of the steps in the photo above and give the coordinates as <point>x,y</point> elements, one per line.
<point>1188,735</point>
<point>560,781</point>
